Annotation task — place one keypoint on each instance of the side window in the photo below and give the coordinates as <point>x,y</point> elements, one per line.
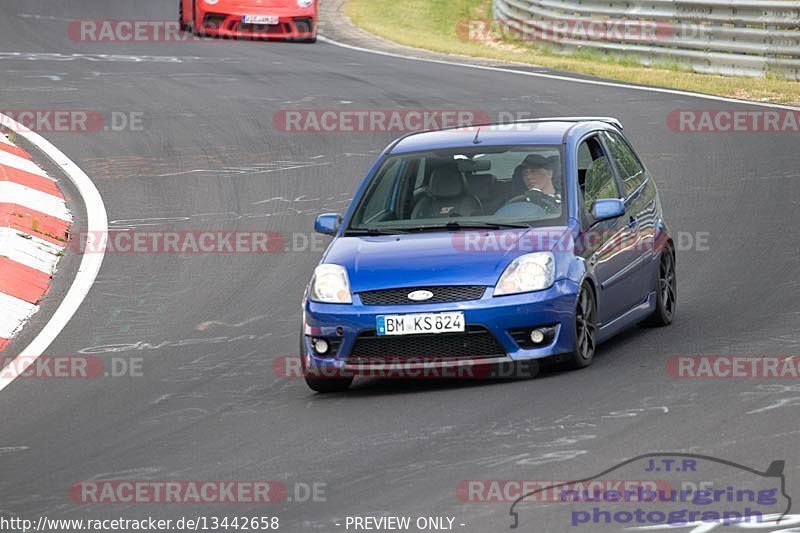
<point>595,177</point>
<point>630,170</point>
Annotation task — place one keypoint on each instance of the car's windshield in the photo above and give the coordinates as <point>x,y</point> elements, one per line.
<point>464,188</point>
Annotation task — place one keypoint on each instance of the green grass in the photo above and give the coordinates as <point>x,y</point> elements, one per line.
<point>432,24</point>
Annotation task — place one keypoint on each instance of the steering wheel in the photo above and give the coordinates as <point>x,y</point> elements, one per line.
<point>542,199</point>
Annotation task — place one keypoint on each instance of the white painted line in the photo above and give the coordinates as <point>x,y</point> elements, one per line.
<point>15,161</point>
<point>13,313</point>
<point>557,77</point>
<point>15,193</point>
<point>29,250</point>
<point>97,220</point>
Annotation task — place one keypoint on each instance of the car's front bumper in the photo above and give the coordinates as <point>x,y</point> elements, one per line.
<point>293,23</point>
<point>343,324</point>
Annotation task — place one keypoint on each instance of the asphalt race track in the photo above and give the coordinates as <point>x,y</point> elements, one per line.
<point>208,158</point>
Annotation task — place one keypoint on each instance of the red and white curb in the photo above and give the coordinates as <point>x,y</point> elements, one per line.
<point>34,228</point>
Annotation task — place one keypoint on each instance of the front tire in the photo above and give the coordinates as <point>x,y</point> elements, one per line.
<point>666,293</point>
<point>322,383</point>
<point>181,24</point>
<point>192,26</point>
<point>584,330</point>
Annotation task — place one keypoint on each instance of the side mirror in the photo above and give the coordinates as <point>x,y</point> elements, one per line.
<point>328,223</point>
<point>606,209</point>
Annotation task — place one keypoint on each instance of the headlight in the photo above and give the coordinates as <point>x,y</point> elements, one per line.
<point>527,273</point>
<point>304,3</point>
<point>330,285</point>
<point>212,2</point>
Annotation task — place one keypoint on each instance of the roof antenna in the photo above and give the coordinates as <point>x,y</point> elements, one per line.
<point>476,140</point>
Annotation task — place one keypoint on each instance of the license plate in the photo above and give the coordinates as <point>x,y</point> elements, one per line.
<point>267,20</point>
<point>421,323</point>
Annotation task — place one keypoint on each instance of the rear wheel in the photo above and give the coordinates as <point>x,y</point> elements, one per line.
<point>666,293</point>
<point>584,331</point>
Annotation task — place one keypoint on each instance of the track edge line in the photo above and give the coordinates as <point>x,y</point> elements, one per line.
<point>96,221</point>
<point>558,77</point>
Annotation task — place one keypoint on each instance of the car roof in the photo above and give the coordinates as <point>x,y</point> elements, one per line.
<point>549,131</point>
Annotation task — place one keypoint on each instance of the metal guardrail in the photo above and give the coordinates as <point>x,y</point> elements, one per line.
<point>750,38</point>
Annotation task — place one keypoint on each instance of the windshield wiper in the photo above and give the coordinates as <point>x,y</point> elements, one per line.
<point>457,226</point>
<point>374,231</point>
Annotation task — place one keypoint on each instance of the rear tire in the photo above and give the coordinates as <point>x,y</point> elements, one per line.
<point>584,331</point>
<point>666,292</point>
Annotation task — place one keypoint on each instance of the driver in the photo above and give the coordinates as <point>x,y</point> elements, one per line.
<point>536,172</point>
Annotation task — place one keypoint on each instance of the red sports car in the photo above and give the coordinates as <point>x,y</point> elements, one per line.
<point>294,20</point>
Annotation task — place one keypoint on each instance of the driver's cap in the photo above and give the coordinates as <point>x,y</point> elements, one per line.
<point>536,161</point>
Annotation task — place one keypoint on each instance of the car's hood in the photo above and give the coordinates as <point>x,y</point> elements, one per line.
<point>429,259</point>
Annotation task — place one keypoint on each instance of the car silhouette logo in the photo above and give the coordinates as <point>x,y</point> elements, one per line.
<point>420,296</point>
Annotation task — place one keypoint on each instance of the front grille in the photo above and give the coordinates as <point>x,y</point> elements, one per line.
<point>455,293</point>
<point>476,343</point>
<point>264,29</point>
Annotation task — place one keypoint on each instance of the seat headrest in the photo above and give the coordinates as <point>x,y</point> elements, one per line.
<point>482,185</point>
<point>447,182</point>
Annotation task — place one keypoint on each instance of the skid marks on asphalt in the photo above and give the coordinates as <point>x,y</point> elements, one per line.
<point>772,397</point>
<point>135,313</point>
<point>225,162</point>
<point>205,325</point>
<point>252,170</point>
<point>6,450</point>
<point>536,441</point>
<point>192,342</point>
<point>284,207</point>
<point>107,58</point>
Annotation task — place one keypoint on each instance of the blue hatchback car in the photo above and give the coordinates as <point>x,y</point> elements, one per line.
<point>493,244</point>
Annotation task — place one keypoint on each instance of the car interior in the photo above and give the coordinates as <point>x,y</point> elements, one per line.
<point>472,187</point>
<point>444,186</point>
